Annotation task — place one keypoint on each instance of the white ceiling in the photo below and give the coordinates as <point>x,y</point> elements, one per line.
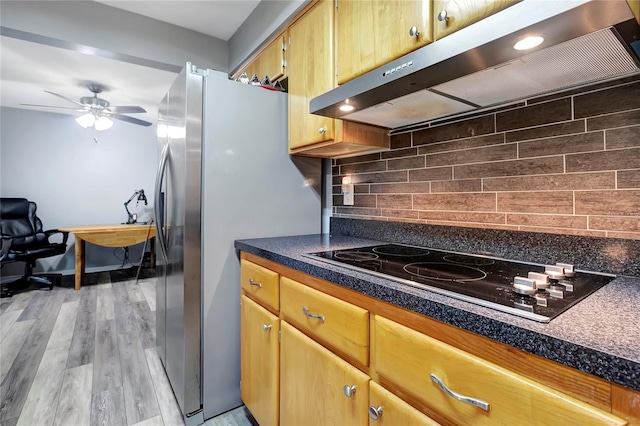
<point>217,18</point>
<point>27,68</point>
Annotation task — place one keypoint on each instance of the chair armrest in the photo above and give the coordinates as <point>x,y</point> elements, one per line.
<point>50,232</point>
<point>6,245</point>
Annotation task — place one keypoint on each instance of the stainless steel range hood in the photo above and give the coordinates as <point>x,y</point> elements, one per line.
<point>585,41</point>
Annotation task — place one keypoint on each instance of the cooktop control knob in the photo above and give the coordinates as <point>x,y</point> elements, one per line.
<point>568,285</point>
<point>522,285</point>
<point>569,272</point>
<point>556,291</point>
<point>554,272</point>
<point>542,280</point>
<point>541,299</point>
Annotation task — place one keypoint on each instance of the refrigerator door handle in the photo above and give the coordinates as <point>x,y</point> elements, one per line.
<point>164,157</point>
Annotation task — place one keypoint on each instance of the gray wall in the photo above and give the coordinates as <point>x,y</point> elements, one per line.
<point>49,159</point>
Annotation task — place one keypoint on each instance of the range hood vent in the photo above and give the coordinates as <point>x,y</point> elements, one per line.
<point>585,42</point>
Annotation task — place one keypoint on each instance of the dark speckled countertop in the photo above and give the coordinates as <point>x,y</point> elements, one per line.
<point>599,336</point>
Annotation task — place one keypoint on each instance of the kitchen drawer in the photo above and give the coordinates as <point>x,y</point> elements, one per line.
<point>411,359</point>
<point>331,320</point>
<point>261,284</point>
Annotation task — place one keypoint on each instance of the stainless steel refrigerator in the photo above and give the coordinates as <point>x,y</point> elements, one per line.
<point>224,174</point>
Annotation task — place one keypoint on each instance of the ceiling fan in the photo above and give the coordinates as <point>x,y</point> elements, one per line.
<point>98,112</point>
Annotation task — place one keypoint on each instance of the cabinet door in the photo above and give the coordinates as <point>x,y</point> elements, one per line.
<point>260,361</point>
<point>270,62</point>
<point>312,381</point>
<point>468,390</point>
<point>310,71</point>
<point>462,13</point>
<point>371,33</point>
<point>387,409</point>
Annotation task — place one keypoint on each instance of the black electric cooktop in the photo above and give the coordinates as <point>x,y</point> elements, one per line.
<point>540,293</point>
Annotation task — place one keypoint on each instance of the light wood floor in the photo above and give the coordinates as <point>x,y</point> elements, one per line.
<point>87,358</point>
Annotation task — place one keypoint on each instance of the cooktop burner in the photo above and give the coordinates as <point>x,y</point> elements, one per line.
<point>531,290</point>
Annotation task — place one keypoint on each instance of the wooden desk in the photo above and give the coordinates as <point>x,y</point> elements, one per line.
<point>107,236</point>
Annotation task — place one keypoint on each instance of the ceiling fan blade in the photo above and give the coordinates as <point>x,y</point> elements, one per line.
<point>126,109</point>
<point>129,119</point>
<point>65,98</point>
<point>51,106</point>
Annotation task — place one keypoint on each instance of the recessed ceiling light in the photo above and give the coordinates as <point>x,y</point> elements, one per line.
<point>528,43</point>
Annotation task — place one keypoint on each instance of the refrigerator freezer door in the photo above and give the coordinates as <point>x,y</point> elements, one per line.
<point>252,188</point>
<point>179,297</point>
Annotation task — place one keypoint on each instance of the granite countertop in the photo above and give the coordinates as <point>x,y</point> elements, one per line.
<point>600,335</point>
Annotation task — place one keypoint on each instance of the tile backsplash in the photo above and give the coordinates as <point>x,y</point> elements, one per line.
<point>565,163</point>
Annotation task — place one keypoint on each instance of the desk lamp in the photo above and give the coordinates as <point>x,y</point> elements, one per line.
<point>133,218</point>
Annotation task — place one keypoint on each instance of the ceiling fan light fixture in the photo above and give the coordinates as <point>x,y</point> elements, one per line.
<point>103,123</point>
<point>87,120</point>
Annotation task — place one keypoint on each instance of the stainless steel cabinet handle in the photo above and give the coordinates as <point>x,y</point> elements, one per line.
<point>310,315</point>
<point>322,130</point>
<point>375,412</point>
<point>266,327</point>
<point>349,390</point>
<point>473,401</point>
<point>443,17</point>
<point>413,31</point>
<point>257,284</point>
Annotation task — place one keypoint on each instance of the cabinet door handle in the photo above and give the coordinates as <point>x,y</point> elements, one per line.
<point>322,130</point>
<point>349,390</point>
<point>375,412</point>
<point>257,284</point>
<point>466,399</point>
<point>443,17</point>
<point>310,315</point>
<point>413,31</point>
<point>266,327</point>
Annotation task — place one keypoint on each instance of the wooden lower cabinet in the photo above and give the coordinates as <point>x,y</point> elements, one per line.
<point>386,409</point>
<point>331,321</point>
<point>312,381</point>
<point>260,284</point>
<point>299,381</point>
<point>260,361</point>
<point>467,390</point>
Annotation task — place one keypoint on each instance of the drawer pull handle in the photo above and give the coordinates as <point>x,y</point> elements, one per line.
<point>375,412</point>
<point>349,390</point>
<point>257,284</point>
<point>266,327</point>
<point>473,401</point>
<point>310,315</point>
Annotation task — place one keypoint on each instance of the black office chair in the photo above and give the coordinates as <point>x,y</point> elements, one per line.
<point>23,240</point>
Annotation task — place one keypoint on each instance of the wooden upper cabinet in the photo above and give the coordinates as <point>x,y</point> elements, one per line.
<point>311,72</point>
<point>462,13</point>
<point>271,61</point>
<point>371,33</point>
<point>310,58</point>
<point>635,8</point>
